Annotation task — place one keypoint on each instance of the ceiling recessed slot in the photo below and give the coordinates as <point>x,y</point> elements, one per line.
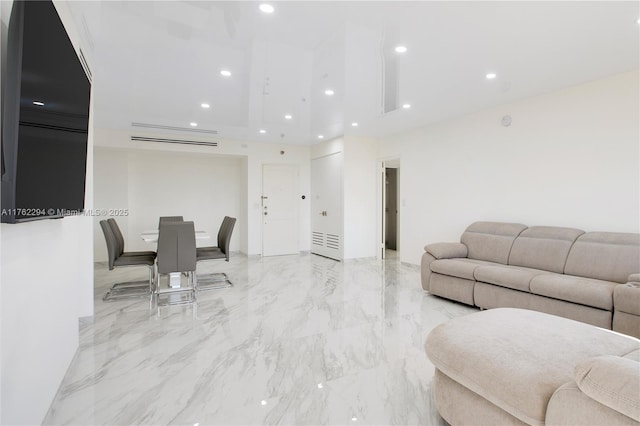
<point>174,141</point>
<point>179,129</point>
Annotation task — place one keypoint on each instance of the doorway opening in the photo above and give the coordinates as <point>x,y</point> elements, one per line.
<point>390,209</point>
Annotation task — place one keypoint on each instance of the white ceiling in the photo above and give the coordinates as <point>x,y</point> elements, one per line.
<point>156,61</point>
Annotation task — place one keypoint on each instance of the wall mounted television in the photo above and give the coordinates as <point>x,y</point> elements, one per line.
<point>45,118</point>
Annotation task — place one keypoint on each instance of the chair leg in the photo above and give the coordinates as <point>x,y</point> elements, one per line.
<point>131,289</point>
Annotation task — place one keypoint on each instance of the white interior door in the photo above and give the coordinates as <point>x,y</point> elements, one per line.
<point>326,206</point>
<point>280,221</point>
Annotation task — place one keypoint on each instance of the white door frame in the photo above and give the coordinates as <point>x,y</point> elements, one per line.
<point>381,204</point>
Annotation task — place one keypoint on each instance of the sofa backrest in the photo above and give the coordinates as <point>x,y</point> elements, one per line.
<point>491,241</point>
<point>543,247</point>
<point>607,256</point>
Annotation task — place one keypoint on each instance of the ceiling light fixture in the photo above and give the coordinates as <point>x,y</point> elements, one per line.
<point>225,73</point>
<point>354,124</point>
<point>491,76</point>
<point>320,137</point>
<point>354,419</point>
<point>638,21</point>
<point>288,117</point>
<point>39,103</point>
<point>401,49</point>
<point>266,8</point>
<point>329,92</point>
<point>406,106</point>
<point>263,131</point>
<point>193,124</point>
<point>203,105</point>
<point>320,384</point>
<point>263,402</point>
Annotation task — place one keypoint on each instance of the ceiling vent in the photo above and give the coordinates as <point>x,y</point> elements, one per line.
<point>179,129</point>
<point>85,65</point>
<point>176,141</point>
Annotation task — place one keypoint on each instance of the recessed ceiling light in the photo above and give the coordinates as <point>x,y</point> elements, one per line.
<point>320,384</point>
<point>354,419</point>
<point>263,131</point>
<point>266,8</point>
<point>39,103</point>
<point>225,73</point>
<point>205,105</point>
<point>406,106</point>
<point>288,117</point>
<point>320,137</point>
<point>329,92</point>
<point>491,76</point>
<point>638,21</point>
<point>193,124</point>
<point>401,49</point>
<point>263,402</point>
<point>354,124</point>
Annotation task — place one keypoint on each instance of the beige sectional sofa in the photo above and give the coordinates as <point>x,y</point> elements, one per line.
<point>561,271</point>
<point>513,366</point>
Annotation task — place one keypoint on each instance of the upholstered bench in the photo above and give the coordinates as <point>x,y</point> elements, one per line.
<point>514,366</point>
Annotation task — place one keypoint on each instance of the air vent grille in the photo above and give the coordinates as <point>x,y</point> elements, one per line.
<point>176,141</point>
<point>333,241</point>
<point>317,238</point>
<point>179,129</point>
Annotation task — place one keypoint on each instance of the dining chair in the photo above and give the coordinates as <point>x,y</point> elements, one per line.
<point>219,252</point>
<point>176,254</point>
<point>165,219</point>
<point>117,259</point>
<point>120,241</point>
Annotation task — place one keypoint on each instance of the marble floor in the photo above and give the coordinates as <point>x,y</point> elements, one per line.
<point>299,340</point>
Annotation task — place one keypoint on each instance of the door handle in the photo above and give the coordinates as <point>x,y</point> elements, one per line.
<point>265,213</point>
<point>323,213</point>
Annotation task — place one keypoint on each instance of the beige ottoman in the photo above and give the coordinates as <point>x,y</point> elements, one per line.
<point>513,366</point>
<point>626,303</point>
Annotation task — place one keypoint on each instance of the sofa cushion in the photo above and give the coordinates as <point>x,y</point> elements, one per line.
<point>513,277</point>
<point>461,268</point>
<point>446,250</point>
<point>626,298</point>
<point>491,241</point>
<point>570,406</point>
<point>612,381</point>
<point>585,291</point>
<point>516,358</point>
<point>543,247</point>
<point>606,256</point>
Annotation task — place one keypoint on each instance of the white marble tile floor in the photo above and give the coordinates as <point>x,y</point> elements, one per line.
<point>298,340</point>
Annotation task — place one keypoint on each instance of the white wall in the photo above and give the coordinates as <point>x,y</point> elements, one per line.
<point>47,284</point>
<point>569,158</point>
<point>250,157</point>
<point>360,181</point>
<point>201,188</point>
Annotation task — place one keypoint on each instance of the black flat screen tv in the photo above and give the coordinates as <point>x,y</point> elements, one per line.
<point>45,118</point>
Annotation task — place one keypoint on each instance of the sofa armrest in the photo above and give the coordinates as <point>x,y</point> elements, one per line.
<point>634,278</point>
<point>446,250</point>
<point>611,381</point>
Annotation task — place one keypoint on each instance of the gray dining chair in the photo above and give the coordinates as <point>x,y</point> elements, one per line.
<point>176,253</point>
<point>219,252</point>
<point>165,219</point>
<point>117,259</point>
<point>120,241</point>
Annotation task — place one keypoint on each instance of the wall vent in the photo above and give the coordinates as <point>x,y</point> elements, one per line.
<point>176,141</point>
<point>180,129</point>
